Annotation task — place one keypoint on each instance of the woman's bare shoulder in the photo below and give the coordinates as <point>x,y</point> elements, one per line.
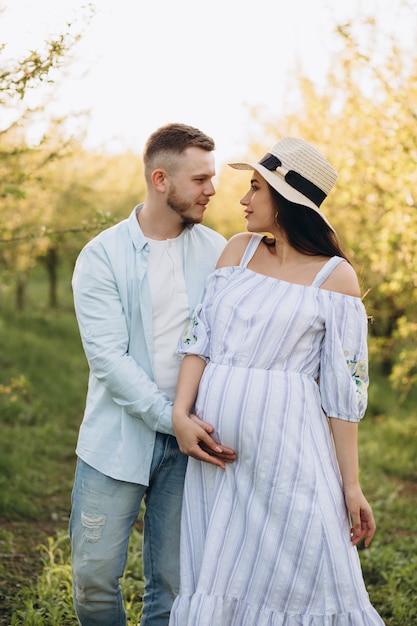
<point>233,252</point>
<point>343,279</point>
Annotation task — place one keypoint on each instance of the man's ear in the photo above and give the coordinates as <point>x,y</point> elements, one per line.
<point>159,180</point>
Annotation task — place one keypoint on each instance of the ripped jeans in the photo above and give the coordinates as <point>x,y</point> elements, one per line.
<point>103,513</point>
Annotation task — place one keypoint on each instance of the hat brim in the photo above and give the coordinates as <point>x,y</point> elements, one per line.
<point>278,182</point>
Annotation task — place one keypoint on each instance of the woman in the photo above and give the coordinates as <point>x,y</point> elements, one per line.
<point>277,353</point>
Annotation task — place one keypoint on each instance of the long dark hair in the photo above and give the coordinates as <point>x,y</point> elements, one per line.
<point>304,229</point>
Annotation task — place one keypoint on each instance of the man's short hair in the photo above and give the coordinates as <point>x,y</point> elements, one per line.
<point>169,142</point>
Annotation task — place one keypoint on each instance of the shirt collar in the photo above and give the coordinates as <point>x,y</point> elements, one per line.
<point>138,238</point>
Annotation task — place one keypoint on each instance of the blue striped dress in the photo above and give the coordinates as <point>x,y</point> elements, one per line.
<point>266,542</point>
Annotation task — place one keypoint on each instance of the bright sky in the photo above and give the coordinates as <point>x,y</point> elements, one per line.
<point>143,63</point>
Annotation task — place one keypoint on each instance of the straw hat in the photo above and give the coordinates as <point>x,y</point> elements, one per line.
<point>297,171</point>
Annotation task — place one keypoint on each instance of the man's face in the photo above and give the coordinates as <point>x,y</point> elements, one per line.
<point>191,185</point>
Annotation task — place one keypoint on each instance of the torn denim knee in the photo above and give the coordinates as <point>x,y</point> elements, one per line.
<point>93,525</point>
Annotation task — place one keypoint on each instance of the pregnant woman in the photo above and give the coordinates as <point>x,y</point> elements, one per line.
<point>276,362</point>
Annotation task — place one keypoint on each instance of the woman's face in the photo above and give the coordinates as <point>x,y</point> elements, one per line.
<point>259,206</point>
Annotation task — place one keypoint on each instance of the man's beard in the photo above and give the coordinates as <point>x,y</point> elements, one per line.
<point>181,207</point>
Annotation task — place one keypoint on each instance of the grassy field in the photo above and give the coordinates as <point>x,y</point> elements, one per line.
<point>43,378</point>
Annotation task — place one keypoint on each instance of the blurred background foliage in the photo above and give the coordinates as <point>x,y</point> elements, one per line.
<point>55,195</point>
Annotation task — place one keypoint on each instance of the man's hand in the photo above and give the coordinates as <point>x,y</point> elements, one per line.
<point>195,439</point>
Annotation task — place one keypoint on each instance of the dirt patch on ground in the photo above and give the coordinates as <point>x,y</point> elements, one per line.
<point>20,558</point>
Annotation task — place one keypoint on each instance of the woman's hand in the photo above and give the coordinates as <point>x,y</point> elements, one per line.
<point>345,436</point>
<point>194,439</point>
<point>362,518</point>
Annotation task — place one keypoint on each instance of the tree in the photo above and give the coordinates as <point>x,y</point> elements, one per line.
<point>21,164</point>
<point>87,192</point>
<point>19,77</point>
<point>377,158</point>
<point>363,118</point>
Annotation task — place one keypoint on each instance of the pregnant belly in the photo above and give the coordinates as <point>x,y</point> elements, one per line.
<point>242,402</point>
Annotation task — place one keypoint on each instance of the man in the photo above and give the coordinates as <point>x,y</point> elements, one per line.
<point>134,287</point>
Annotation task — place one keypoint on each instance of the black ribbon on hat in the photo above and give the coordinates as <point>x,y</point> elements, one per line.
<point>296,180</point>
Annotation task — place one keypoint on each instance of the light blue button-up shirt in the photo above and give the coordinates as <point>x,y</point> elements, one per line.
<point>112,298</point>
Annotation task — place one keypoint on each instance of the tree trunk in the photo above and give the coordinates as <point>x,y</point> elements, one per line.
<point>20,292</point>
<point>51,262</point>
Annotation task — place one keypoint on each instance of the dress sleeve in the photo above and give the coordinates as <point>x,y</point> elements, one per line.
<point>344,377</point>
<point>196,337</point>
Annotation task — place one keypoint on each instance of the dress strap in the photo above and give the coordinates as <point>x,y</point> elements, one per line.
<point>251,248</point>
<point>326,270</point>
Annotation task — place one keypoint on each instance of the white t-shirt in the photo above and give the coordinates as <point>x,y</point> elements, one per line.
<point>170,308</point>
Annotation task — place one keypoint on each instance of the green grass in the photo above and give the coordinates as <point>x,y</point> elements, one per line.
<point>49,603</point>
<point>388,453</point>
<point>42,390</point>
<point>388,476</point>
<point>43,378</point>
